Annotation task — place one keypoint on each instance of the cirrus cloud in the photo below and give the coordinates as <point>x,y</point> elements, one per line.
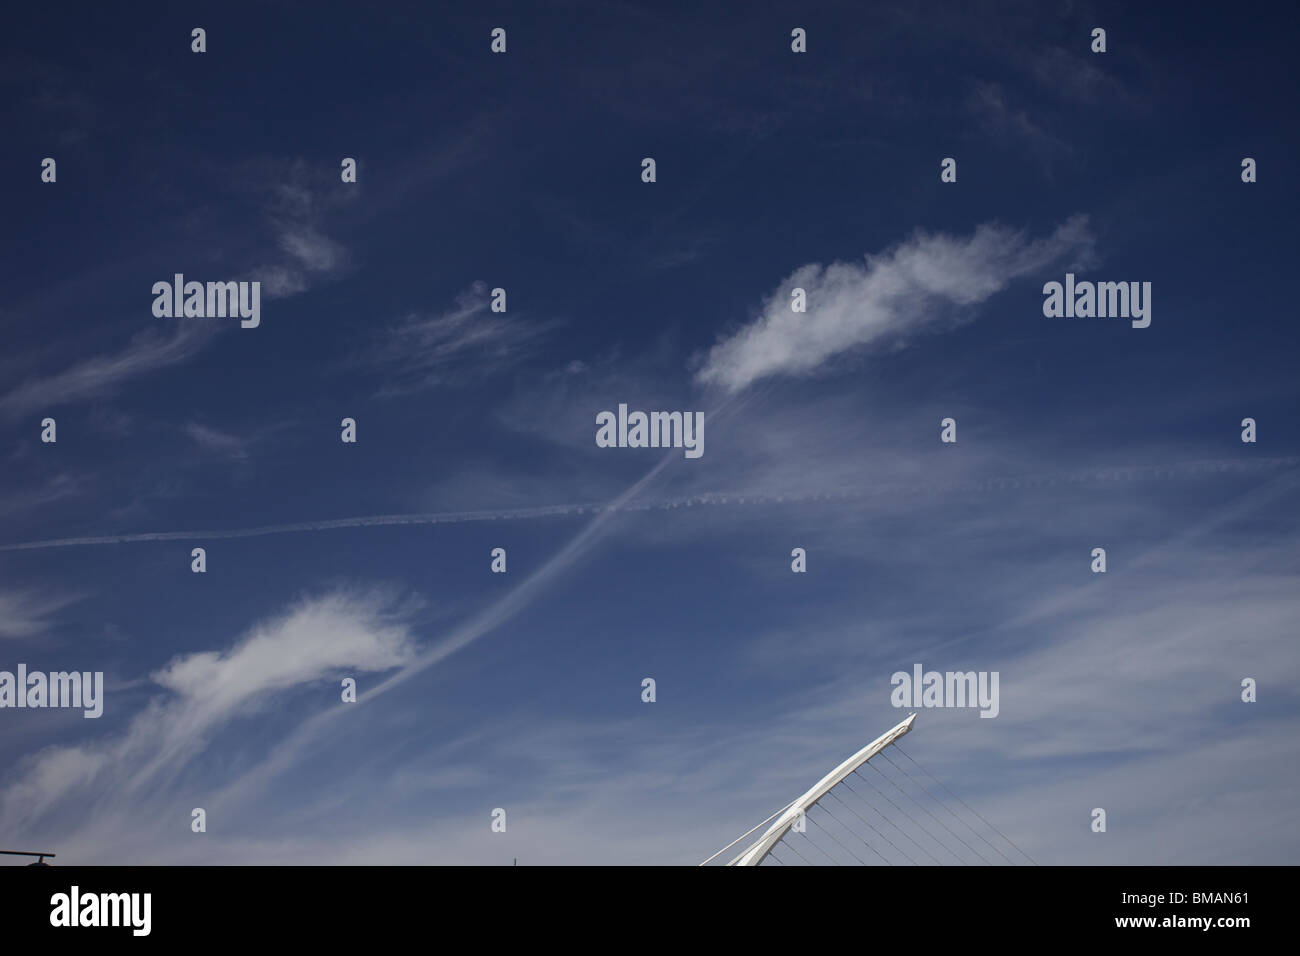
<point>906,290</point>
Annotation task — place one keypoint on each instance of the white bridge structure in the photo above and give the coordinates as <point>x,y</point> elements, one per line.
<point>907,836</point>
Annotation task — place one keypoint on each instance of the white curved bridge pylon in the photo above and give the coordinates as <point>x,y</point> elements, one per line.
<point>758,851</point>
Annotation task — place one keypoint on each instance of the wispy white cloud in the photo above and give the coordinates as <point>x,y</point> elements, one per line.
<point>304,254</point>
<point>310,255</point>
<point>988,101</point>
<point>1075,76</point>
<point>314,638</point>
<point>892,297</point>
<point>316,252</point>
<point>217,442</point>
<point>461,344</point>
<point>56,488</point>
<point>201,692</point>
<point>148,351</point>
<point>26,614</point>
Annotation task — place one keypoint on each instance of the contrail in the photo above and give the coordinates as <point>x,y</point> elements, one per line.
<point>164,767</point>
<point>705,499</point>
<point>363,521</point>
<point>485,621</point>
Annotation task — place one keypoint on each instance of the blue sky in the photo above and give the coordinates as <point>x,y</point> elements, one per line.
<point>523,171</point>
